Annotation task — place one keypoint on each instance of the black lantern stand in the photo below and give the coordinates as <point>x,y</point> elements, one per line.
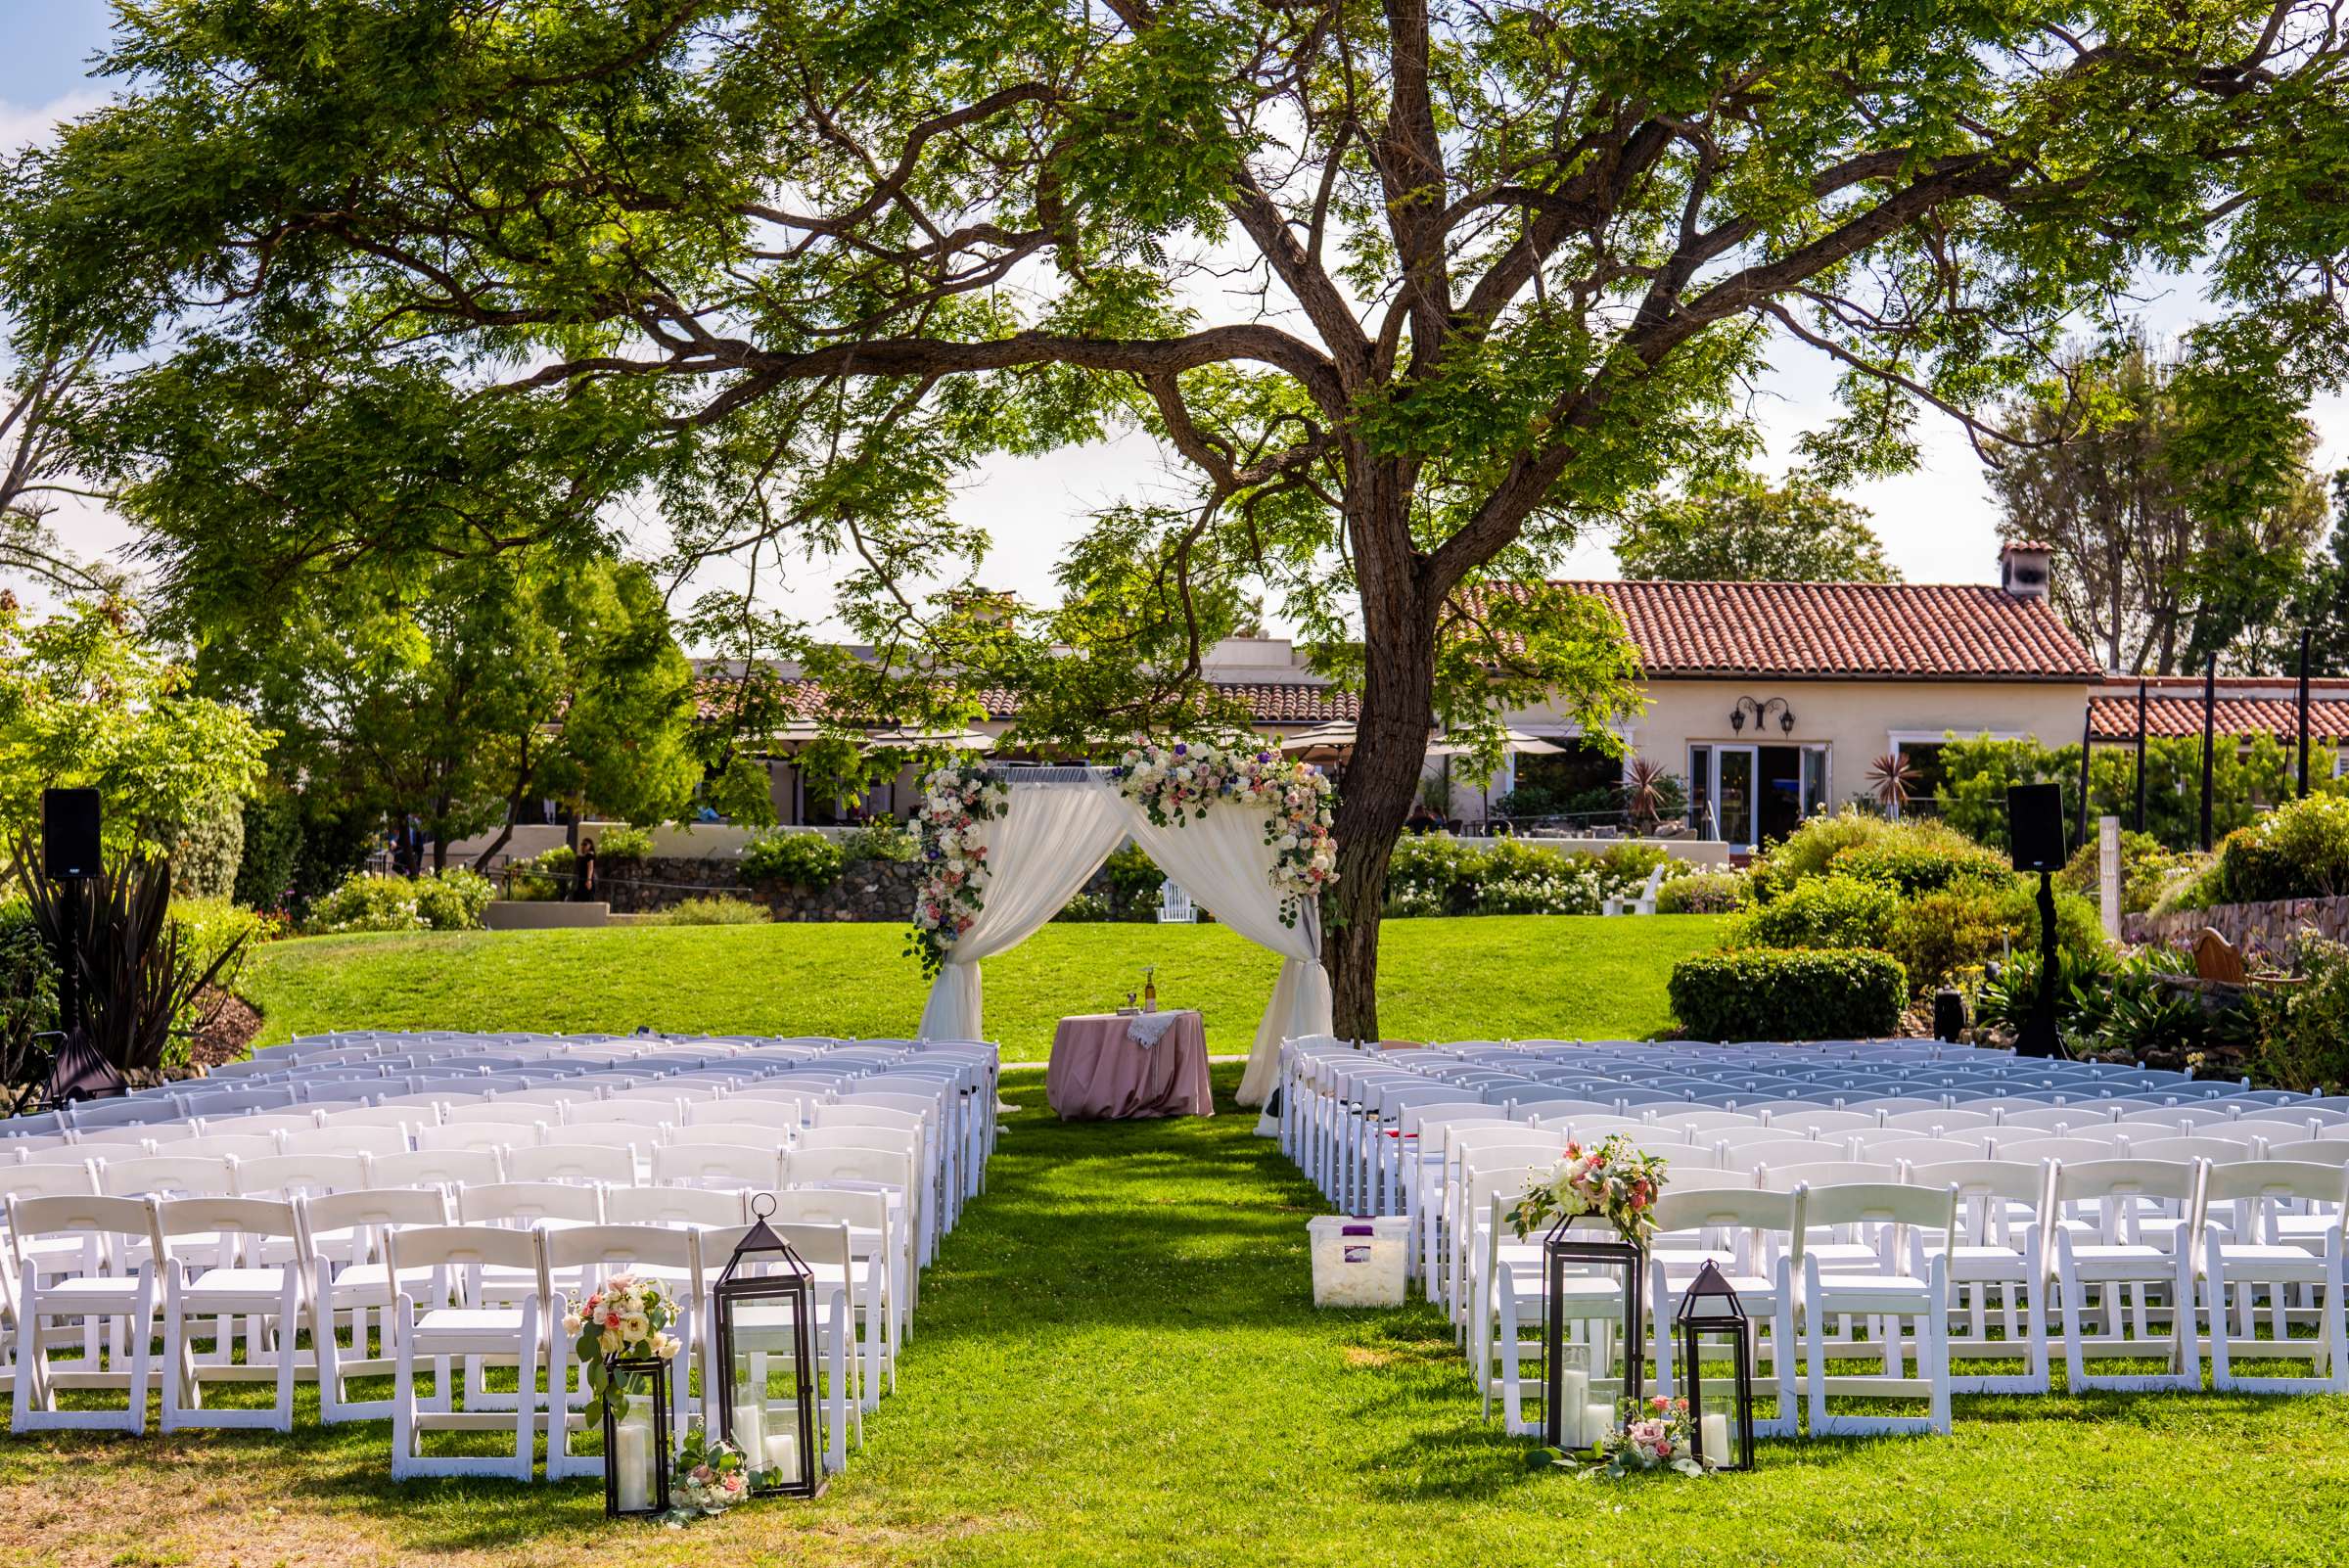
<point>762,1313</point>
<point>1594,1243</point>
<point>639,1378</point>
<point>1709,1313</point>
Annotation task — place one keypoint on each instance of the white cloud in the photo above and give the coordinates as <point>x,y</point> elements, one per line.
<point>21,124</point>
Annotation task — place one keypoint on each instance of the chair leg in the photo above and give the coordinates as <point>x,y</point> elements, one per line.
<point>1512,1414</point>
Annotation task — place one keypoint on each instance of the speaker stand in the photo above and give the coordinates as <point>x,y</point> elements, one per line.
<point>2039,1037</point>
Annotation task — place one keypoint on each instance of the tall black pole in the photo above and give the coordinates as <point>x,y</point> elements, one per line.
<point>2305,633</point>
<point>2210,699</point>
<point>2088,735</point>
<point>2140,753</point>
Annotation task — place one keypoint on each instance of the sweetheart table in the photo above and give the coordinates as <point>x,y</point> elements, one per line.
<point>1115,1067</point>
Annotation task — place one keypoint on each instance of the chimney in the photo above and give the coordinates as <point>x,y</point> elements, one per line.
<point>2023,566</point>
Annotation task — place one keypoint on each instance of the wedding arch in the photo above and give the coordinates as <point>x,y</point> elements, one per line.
<point>1247,833</point>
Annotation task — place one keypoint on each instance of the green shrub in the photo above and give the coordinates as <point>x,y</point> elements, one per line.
<point>205,849</point>
<point>447,901</point>
<point>622,845</point>
<point>2300,1034</point>
<point>719,910</point>
<point>1703,893</point>
<point>880,839</point>
<point>453,899</point>
<point>807,861</point>
<point>1940,936</point>
<point>265,869</point>
<point>1424,868</point>
<point>27,992</point>
<point>1135,878</point>
<point>2298,851</point>
<point>1775,994</point>
<point>2149,871</point>
<point>1911,866</point>
<point>1085,908</point>
<point>2195,886</point>
<point>1833,911</point>
<point>1809,849</point>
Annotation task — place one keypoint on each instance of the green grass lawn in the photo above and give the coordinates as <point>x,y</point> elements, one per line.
<point>1504,977</point>
<point>1116,1361</point>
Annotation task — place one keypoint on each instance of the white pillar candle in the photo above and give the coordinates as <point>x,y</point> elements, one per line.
<point>783,1453</point>
<point>1597,1422</point>
<point>1713,1436</point>
<point>1574,1394</point>
<point>633,1463</point>
<point>750,1428</point>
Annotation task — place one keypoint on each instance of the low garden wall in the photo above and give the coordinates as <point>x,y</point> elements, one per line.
<point>867,890</point>
<point>2255,927</point>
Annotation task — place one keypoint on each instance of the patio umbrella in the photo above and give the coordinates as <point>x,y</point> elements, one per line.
<point>1322,737</point>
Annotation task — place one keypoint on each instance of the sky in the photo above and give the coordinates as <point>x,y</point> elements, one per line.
<point>1937,522</point>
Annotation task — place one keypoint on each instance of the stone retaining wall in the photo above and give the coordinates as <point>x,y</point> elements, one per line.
<point>2253,927</point>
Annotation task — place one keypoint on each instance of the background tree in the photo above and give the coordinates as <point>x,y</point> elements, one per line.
<point>87,701</point>
<point>476,692</point>
<point>35,471</point>
<point>2176,496</point>
<point>1407,292</point>
<point>1745,530</point>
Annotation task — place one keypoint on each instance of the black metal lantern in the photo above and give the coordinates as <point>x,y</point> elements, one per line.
<point>1592,1277</point>
<point>1713,1324</point>
<point>762,1313</point>
<point>637,1444</point>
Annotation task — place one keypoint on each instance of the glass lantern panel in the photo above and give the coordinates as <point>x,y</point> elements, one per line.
<point>635,1450</point>
<point>765,1421</point>
<point>1713,1403</point>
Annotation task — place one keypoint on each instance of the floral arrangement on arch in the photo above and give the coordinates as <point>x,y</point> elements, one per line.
<point>627,1315</point>
<point>1659,1436</point>
<point>1616,1182</point>
<point>956,800</point>
<point>1174,783</point>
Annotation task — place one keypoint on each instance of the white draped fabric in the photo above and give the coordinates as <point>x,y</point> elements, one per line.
<point>1048,839</point>
<point>1051,837</point>
<point>1221,860</point>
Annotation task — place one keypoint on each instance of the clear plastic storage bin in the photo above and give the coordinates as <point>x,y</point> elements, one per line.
<point>1359,1262</point>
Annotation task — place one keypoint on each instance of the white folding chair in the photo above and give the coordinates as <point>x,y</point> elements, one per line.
<point>2111,1254</point>
<point>1884,1295</point>
<point>478,1335</point>
<point>213,1270</point>
<point>1748,1235</point>
<point>729,1165</point>
<point>578,1260</point>
<point>350,1280</point>
<point>449,1169</point>
<point>110,1297</point>
<point>2259,1256</point>
<point>2001,1246</point>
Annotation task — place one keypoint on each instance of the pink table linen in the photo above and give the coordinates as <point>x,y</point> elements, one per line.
<point>1099,1073</point>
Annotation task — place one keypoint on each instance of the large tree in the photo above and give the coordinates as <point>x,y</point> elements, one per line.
<point>1409,291</point>
<point>2175,491</point>
<point>1741,528</point>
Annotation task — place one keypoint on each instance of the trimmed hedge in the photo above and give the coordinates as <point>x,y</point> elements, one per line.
<point>1782,994</point>
<point>806,860</point>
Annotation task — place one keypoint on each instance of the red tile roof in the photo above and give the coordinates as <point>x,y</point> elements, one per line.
<point>1844,630</point>
<point>2115,718</point>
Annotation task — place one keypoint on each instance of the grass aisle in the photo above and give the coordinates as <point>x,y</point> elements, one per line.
<point>1116,1361</point>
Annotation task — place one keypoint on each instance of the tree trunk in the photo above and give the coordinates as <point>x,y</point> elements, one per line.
<point>1381,778</point>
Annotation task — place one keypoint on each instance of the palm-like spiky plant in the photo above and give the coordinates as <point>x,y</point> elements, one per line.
<point>1892,779</point>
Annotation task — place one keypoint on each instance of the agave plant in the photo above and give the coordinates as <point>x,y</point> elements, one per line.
<point>1891,780</point>
<point>137,973</point>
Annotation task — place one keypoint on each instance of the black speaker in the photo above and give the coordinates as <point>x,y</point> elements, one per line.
<point>69,834</point>
<point>2035,826</point>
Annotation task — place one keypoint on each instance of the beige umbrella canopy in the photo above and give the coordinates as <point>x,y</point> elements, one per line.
<point>1511,740</point>
<point>801,731</point>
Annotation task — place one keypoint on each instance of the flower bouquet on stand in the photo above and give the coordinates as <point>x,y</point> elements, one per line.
<point>625,1318</point>
<point>1593,1286</point>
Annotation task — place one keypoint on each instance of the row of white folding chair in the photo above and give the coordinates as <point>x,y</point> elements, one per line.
<point>1788,1275</point>
<point>254,1262</point>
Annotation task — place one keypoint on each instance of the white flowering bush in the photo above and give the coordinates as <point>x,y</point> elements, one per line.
<point>956,801</point>
<point>1174,784</point>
